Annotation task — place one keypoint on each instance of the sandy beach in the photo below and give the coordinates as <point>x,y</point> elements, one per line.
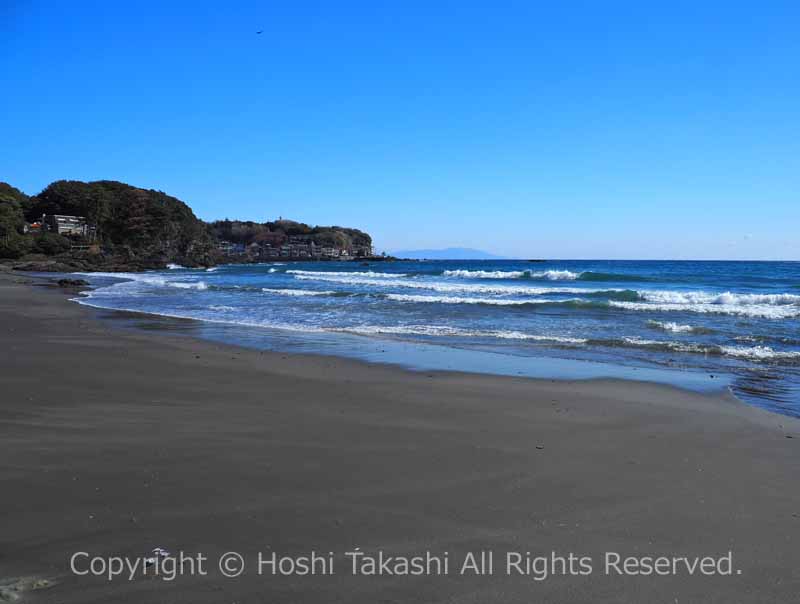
<point>116,442</point>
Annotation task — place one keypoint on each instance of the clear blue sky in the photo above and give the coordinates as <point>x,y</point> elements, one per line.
<point>558,129</point>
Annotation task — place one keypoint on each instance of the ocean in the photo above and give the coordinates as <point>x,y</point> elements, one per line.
<point>692,323</point>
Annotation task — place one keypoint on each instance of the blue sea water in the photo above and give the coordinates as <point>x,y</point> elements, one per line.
<point>738,321</point>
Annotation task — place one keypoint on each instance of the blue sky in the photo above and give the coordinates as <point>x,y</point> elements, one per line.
<point>560,130</point>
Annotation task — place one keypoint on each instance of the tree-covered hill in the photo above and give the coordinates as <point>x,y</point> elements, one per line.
<point>139,224</point>
<point>280,231</point>
<point>134,228</point>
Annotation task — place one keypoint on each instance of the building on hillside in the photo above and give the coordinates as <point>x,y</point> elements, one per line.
<point>230,248</point>
<point>270,252</point>
<point>361,251</point>
<point>300,247</point>
<point>66,225</point>
<point>330,252</point>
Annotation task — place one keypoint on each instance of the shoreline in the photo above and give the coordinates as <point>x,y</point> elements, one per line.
<point>722,394</point>
<point>608,330</point>
<point>166,441</point>
<point>114,316</point>
<point>439,357</point>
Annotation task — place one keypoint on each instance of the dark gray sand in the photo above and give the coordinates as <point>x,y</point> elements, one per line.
<point>116,442</point>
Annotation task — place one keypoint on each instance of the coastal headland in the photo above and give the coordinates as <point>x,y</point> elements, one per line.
<point>117,442</point>
<point>112,226</point>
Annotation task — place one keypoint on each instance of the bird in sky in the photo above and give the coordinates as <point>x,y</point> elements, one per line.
<point>260,31</point>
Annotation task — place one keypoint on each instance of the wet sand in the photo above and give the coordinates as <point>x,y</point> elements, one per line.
<point>115,442</point>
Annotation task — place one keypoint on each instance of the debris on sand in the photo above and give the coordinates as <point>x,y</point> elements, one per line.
<point>12,589</point>
<point>158,554</point>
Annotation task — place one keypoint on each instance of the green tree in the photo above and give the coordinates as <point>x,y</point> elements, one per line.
<point>50,244</point>
<point>13,243</point>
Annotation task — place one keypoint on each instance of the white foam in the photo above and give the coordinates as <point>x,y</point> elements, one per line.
<point>368,274</point>
<point>438,286</point>
<point>557,275</point>
<point>767,306</point>
<point>147,279</point>
<point>427,330</point>
<point>447,331</point>
<point>724,299</point>
<point>173,267</point>
<point>226,321</point>
<point>759,352</point>
<point>665,344</point>
<point>465,274</point>
<point>462,300</point>
<point>763,311</point>
<point>671,326</point>
<point>296,292</point>
<point>199,285</point>
<point>552,275</point>
<point>221,307</point>
<point>772,306</point>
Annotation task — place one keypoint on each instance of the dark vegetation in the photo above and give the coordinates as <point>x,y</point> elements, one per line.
<point>13,205</point>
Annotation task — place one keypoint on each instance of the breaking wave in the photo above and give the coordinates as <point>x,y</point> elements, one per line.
<point>200,285</point>
<point>724,298</point>
<point>674,327</point>
<point>759,352</point>
<point>768,306</point>
<point>367,274</point>
<point>297,292</point>
<point>150,279</point>
<point>762,311</point>
<point>447,331</point>
<point>765,306</point>
<point>550,275</point>
<point>463,300</point>
<point>438,286</point>
<point>754,353</point>
<point>467,274</point>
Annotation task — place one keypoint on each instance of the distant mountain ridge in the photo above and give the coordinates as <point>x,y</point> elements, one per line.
<point>449,253</point>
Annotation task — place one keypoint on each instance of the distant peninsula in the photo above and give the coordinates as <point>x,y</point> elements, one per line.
<point>112,226</point>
